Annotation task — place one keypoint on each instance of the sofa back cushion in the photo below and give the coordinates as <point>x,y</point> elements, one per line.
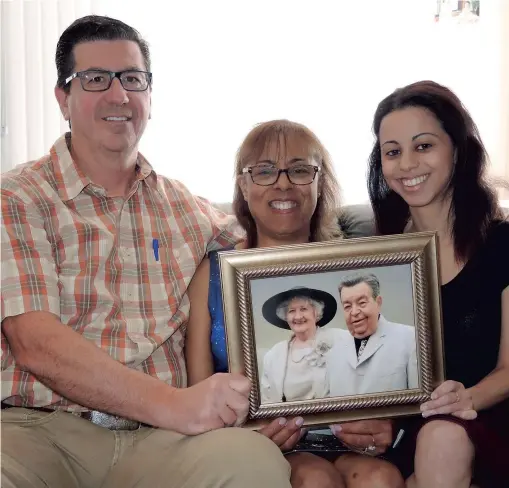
<point>354,220</point>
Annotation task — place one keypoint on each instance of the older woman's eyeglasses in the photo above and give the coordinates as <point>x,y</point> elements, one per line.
<point>100,80</point>
<point>301,174</point>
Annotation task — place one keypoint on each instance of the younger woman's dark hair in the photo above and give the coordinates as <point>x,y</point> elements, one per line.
<point>93,28</point>
<point>474,203</point>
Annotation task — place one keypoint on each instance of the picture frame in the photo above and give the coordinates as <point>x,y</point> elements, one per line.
<point>457,11</point>
<point>248,275</point>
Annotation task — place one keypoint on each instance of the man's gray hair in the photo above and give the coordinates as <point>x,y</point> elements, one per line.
<point>370,279</point>
<point>282,308</point>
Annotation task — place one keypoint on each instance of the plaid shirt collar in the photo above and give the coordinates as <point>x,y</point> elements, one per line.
<point>71,180</point>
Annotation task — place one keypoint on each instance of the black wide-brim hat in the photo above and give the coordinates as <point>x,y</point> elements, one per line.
<point>270,306</point>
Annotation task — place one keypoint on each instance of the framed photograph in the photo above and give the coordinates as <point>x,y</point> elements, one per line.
<point>335,331</point>
<point>458,11</point>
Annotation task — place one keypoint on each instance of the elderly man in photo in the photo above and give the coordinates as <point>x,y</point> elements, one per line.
<point>379,355</point>
<point>97,254</point>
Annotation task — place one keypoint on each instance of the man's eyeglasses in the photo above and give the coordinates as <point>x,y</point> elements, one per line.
<point>100,80</point>
<point>302,174</point>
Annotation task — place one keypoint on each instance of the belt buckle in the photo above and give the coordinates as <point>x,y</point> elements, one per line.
<point>111,422</point>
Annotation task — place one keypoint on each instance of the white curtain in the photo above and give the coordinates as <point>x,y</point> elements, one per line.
<point>30,30</point>
<point>220,67</point>
<point>502,168</point>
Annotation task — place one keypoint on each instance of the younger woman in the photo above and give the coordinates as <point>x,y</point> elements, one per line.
<point>427,172</point>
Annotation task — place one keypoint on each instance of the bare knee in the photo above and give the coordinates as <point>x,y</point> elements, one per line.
<point>441,436</point>
<point>366,472</point>
<point>310,471</point>
<point>385,475</point>
<point>314,478</point>
<point>444,455</point>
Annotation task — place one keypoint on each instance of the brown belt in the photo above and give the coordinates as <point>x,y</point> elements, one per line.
<point>111,422</point>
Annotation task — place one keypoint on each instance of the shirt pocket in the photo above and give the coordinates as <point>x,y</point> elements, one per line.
<point>171,267</point>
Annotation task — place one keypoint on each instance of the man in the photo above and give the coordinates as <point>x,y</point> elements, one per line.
<point>379,355</point>
<point>97,254</point>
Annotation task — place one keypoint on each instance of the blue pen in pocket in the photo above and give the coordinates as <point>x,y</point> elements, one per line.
<point>155,247</point>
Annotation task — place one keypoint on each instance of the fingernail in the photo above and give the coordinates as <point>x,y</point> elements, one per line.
<point>433,396</point>
<point>423,407</point>
<point>299,421</point>
<point>336,428</point>
<point>282,421</point>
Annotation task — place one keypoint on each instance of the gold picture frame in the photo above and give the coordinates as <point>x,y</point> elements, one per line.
<point>418,251</point>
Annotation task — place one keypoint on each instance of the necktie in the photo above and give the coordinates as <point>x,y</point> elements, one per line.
<point>361,349</point>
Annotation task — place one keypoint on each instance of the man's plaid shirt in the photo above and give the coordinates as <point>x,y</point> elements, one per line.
<point>69,249</point>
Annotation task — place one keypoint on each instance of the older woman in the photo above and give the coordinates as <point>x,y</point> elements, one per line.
<point>285,193</point>
<point>296,369</point>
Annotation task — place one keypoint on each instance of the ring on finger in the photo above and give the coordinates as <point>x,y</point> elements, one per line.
<point>371,449</point>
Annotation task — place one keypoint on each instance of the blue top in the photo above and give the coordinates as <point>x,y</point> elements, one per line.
<point>220,357</point>
<point>217,332</point>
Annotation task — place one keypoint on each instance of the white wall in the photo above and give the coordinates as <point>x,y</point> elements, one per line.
<point>221,67</point>
<point>503,169</point>
<point>396,289</point>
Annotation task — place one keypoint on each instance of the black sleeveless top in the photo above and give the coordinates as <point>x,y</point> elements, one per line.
<point>472,311</point>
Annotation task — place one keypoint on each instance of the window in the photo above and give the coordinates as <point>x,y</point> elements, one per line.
<point>221,67</point>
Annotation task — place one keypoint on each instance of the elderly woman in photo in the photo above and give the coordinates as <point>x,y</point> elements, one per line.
<point>296,368</point>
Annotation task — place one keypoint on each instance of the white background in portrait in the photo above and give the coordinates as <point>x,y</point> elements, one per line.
<point>396,289</point>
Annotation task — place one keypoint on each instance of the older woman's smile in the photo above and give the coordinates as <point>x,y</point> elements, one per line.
<point>283,205</point>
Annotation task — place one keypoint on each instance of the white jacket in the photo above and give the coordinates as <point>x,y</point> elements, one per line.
<point>388,363</point>
<point>275,365</point>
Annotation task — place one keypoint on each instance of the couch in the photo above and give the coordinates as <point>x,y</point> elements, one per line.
<point>354,220</point>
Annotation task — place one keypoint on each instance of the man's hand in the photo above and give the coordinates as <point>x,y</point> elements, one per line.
<point>284,433</point>
<point>222,400</point>
<point>362,434</point>
<point>452,398</point>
